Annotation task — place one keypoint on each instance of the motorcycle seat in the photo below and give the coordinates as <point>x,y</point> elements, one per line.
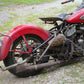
<point>50,19</point>
<point>54,19</point>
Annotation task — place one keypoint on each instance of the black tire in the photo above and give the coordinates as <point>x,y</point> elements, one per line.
<point>11,59</point>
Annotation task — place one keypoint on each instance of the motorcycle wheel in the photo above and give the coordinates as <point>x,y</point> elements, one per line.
<point>14,57</point>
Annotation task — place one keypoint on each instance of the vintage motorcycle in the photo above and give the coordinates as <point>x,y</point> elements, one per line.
<point>27,49</point>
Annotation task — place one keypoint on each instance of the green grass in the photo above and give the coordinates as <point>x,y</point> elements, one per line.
<point>4,4</point>
<point>36,81</point>
<point>33,18</point>
<point>74,73</point>
<point>8,25</point>
<point>28,2</point>
<point>1,9</point>
<point>43,75</point>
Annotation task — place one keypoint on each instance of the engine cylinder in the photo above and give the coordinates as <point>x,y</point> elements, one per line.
<point>58,40</point>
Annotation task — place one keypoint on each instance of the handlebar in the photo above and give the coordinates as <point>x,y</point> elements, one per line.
<point>66,1</point>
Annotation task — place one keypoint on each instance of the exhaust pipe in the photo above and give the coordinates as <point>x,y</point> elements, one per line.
<point>36,67</point>
<point>22,68</point>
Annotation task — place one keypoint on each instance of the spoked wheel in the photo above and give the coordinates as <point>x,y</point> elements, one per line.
<point>15,57</point>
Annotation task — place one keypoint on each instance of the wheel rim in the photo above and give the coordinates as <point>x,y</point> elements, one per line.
<point>21,46</point>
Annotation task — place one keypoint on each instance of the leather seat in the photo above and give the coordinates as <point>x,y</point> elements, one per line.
<point>58,18</point>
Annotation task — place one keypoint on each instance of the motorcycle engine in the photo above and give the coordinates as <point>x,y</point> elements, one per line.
<point>70,30</point>
<point>76,34</point>
<point>74,44</point>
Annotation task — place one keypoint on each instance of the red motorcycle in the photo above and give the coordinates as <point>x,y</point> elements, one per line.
<point>27,49</point>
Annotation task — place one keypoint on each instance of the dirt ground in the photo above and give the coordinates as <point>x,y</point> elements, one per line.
<point>70,74</point>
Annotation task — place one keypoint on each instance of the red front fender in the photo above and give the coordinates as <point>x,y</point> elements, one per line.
<point>19,31</point>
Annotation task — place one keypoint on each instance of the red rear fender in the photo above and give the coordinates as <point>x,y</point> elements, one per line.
<point>19,31</point>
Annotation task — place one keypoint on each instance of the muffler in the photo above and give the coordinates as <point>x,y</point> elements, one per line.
<point>36,67</point>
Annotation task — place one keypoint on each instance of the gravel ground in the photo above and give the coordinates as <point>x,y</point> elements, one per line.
<point>70,74</point>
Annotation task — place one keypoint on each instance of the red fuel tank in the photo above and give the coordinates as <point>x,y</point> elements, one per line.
<point>77,17</point>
